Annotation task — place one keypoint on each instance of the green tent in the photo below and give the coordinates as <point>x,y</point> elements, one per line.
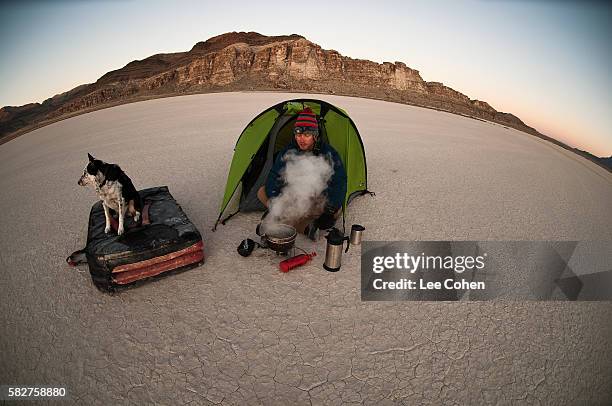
<point>271,131</point>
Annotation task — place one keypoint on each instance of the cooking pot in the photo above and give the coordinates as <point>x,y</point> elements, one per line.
<point>278,237</point>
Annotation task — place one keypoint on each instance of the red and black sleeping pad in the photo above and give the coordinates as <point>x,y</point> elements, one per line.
<point>164,241</point>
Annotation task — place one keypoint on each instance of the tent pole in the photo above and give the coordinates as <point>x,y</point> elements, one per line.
<point>217,222</point>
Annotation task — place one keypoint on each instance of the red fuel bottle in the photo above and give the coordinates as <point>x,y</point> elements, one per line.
<point>294,262</point>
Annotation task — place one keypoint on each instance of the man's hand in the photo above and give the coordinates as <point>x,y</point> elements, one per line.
<point>325,220</point>
<point>312,232</point>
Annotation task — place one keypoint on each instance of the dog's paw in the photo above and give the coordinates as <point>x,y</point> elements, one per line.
<point>137,217</point>
<point>107,229</point>
<point>120,231</point>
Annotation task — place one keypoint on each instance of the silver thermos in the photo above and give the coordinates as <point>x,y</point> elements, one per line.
<point>356,232</point>
<point>335,242</point>
<point>333,252</point>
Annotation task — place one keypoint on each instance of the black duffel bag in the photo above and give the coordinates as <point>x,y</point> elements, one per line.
<point>163,241</point>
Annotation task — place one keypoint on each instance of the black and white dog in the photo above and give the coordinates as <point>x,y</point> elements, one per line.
<point>114,188</point>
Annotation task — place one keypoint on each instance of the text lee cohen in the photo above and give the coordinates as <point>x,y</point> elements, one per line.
<point>420,284</point>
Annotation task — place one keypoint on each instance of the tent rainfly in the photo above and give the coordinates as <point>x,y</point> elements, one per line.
<point>270,131</point>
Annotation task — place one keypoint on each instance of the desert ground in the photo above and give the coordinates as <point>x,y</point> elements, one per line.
<point>238,331</point>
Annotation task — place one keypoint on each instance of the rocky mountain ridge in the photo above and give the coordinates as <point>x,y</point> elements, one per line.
<point>250,61</point>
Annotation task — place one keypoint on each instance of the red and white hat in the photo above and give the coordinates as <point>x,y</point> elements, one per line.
<point>306,121</point>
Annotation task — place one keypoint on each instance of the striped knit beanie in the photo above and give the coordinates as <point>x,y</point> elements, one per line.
<point>306,121</point>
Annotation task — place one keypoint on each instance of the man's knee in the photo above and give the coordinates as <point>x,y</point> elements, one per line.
<point>261,195</point>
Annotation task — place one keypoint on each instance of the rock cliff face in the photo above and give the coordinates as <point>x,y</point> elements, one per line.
<point>250,61</point>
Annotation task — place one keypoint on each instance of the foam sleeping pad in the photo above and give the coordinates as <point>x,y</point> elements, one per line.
<point>165,241</point>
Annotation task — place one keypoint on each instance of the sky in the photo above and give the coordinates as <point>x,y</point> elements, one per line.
<point>545,61</point>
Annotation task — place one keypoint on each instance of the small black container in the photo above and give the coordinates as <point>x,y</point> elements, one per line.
<point>246,247</point>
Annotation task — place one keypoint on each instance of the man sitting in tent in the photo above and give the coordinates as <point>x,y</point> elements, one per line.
<point>320,205</point>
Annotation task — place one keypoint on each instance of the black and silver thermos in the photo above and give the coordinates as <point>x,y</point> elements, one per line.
<point>333,252</point>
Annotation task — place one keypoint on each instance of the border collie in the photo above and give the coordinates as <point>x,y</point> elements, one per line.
<point>114,188</point>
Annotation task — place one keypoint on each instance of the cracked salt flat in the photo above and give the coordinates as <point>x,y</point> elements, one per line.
<point>237,331</point>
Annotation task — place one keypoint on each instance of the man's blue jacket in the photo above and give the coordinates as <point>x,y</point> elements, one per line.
<point>336,187</point>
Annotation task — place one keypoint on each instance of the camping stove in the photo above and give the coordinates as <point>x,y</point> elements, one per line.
<point>278,237</point>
